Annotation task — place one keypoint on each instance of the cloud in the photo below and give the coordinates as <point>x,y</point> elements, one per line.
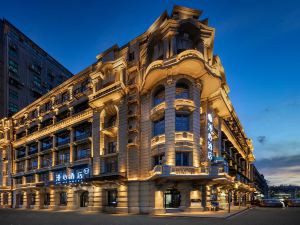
<point>281,170</point>
<point>262,139</point>
<point>278,162</point>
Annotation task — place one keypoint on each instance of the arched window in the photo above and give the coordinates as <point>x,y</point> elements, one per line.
<point>159,95</point>
<point>182,90</point>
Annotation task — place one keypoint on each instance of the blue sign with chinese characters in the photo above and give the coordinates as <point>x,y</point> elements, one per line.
<point>74,176</point>
<point>210,136</point>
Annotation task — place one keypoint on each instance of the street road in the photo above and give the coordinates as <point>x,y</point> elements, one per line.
<point>257,216</point>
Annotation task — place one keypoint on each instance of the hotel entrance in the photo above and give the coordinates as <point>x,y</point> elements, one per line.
<point>172,198</point>
<point>84,199</point>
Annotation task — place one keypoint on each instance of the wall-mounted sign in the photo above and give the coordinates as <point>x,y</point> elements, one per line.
<point>74,176</point>
<point>209,136</point>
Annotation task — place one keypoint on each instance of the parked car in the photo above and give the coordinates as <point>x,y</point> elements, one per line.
<point>271,203</point>
<point>293,202</point>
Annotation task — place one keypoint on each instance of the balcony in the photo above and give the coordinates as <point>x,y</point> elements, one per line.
<point>114,91</point>
<point>158,111</point>
<point>109,151</point>
<point>179,172</point>
<point>184,105</point>
<point>157,140</point>
<point>184,136</point>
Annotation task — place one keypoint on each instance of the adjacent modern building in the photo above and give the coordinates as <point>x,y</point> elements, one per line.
<point>26,71</point>
<point>148,128</point>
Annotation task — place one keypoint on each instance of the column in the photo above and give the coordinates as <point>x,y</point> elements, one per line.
<point>25,200</point>
<point>72,148</point>
<point>95,145</point>
<point>53,201</point>
<point>122,136</point>
<point>71,199</point>
<point>170,121</point>
<point>95,199</point>
<point>53,151</point>
<point>37,200</point>
<point>122,199</point>
<point>39,156</point>
<point>196,122</point>
<point>159,202</point>
<point>195,200</point>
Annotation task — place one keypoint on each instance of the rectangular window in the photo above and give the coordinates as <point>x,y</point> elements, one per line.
<point>111,165</point>
<point>182,158</point>
<point>13,50</point>
<point>182,122</point>
<point>21,152</point>
<point>81,107</point>
<point>33,163</point>
<point>82,131</point>
<point>30,179</point>
<point>63,157</point>
<point>63,138</point>
<point>158,159</point>
<point>44,177</point>
<point>131,56</point>
<point>19,180</point>
<point>159,127</point>
<point>47,143</point>
<point>13,94</point>
<point>112,147</point>
<point>62,115</point>
<point>46,160</point>
<point>65,96</point>
<point>33,148</point>
<point>12,108</point>
<point>47,123</point>
<point>37,82</point>
<point>83,153</point>
<point>12,66</point>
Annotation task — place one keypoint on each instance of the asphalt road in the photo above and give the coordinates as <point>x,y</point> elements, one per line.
<point>257,216</point>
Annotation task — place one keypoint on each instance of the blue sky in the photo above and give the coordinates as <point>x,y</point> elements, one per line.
<point>258,42</point>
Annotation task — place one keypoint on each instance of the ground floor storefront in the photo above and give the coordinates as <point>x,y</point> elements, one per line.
<point>152,197</point>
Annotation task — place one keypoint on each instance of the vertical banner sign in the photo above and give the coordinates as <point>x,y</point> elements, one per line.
<point>209,136</point>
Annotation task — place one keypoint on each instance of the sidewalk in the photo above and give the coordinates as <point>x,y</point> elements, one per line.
<point>208,214</point>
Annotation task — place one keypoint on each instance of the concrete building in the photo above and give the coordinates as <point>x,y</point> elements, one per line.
<point>26,71</point>
<point>148,128</point>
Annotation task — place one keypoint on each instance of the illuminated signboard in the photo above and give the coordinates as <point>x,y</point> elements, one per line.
<point>75,176</point>
<point>209,136</point>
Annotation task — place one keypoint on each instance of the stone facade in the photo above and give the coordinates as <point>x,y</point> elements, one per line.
<point>148,128</point>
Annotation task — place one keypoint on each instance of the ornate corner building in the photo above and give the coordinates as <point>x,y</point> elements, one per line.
<point>148,128</point>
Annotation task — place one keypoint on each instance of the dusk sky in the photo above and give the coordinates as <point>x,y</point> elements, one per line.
<point>257,41</point>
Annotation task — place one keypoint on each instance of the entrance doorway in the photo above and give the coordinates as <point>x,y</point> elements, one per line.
<point>84,199</point>
<point>172,198</point>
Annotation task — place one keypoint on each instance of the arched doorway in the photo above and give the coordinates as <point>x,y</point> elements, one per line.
<point>172,198</point>
<point>84,199</point>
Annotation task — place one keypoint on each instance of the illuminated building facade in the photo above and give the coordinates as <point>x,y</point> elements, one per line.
<point>148,128</point>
